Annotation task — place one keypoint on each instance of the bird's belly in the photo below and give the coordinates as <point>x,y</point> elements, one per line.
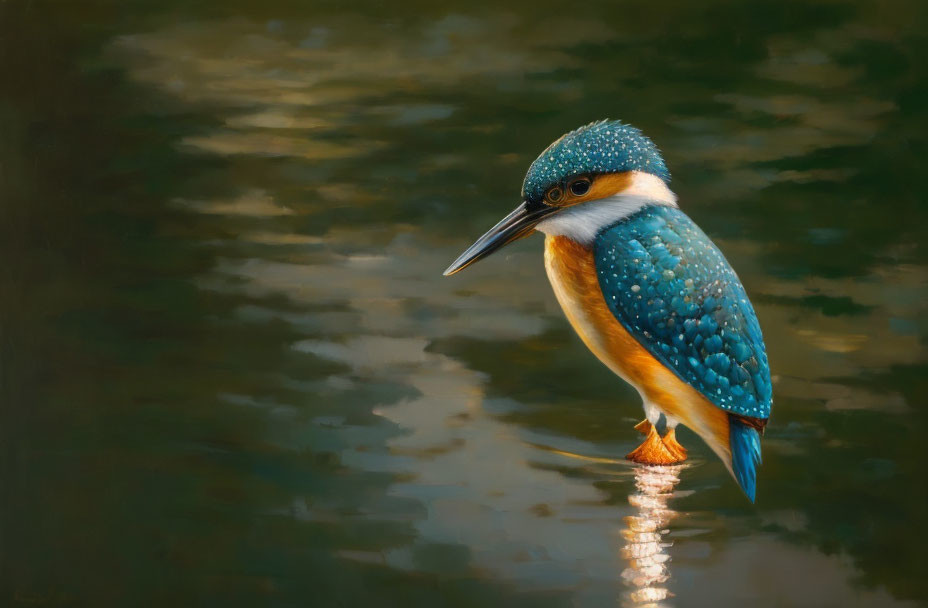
<point>572,272</point>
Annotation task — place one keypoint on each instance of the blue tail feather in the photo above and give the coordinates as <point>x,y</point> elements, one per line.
<point>745,455</point>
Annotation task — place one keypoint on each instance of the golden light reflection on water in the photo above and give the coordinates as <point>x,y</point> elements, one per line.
<point>645,549</point>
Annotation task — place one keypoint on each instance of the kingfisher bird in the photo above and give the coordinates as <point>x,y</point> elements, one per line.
<point>647,291</point>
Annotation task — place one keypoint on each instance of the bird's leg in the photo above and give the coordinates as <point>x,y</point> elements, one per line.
<point>673,446</point>
<point>652,450</point>
<point>643,427</point>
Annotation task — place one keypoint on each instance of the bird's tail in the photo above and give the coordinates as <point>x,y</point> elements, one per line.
<point>744,441</point>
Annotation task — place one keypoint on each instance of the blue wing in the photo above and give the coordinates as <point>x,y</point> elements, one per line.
<point>675,292</point>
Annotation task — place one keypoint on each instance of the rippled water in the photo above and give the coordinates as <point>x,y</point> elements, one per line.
<point>233,374</point>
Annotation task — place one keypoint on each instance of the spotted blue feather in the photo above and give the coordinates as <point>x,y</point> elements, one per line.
<point>607,146</point>
<point>675,292</point>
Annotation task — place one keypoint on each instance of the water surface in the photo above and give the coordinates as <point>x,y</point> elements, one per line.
<point>233,374</point>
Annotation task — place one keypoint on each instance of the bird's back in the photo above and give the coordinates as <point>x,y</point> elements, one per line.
<point>672,288</point>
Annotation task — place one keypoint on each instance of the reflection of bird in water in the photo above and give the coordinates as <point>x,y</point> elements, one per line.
<point>647,291</point>
<point>644,550</point>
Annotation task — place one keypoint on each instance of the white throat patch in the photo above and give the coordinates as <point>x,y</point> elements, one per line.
<point>583,222</point>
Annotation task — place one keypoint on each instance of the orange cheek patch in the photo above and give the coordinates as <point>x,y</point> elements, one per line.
<point>603,186</point>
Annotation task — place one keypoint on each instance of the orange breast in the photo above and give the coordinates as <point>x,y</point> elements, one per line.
<point>572,272</point>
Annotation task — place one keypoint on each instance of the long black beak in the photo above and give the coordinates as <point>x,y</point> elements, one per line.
<point>511,228</point>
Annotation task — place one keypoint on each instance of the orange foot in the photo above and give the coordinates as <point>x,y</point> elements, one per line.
<point>652,451</point>
<point>670,441</point>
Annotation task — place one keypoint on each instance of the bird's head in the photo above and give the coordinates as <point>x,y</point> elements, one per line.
<point>586,180</point>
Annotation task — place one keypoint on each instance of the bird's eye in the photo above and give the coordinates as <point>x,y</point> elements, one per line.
<point>554,195</point>
<point>580,186</point>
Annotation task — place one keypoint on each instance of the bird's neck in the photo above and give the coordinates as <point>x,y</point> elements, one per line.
<point>581,223</point>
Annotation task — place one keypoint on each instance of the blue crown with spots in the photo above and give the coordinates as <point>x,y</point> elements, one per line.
<point>607,146</point>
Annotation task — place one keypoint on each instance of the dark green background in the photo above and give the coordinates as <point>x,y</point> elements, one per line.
<point>232,374</point>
